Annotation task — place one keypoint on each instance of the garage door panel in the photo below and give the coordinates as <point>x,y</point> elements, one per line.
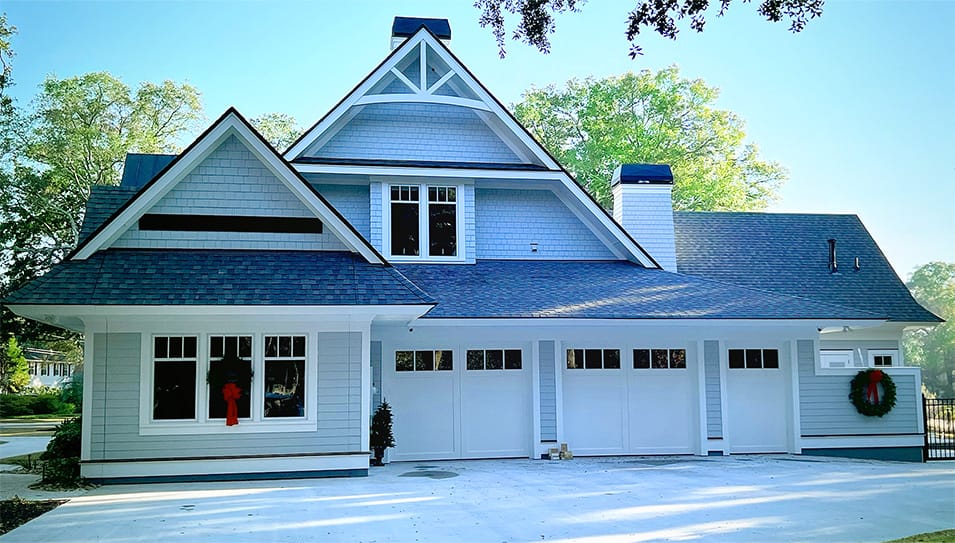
<point>758,416</point>
<point>663,408</point>
<point>424,425</point>
<point>495,415</point>
<point>595,412</point>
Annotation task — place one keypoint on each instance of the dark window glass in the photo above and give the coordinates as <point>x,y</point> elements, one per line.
<point>271,346</point>
<point>175,347</point>
<point>216,350</point>
<point>424,361</point>
<point>404,229</point>
<point>882,360</point>
<point>285,346</point>
<point>189,348</point>
<point>678,358</point>
<point>494,360</point>
<point>753,358</point>
<point>475,360</point>
<point>161,347</point>
<point>641,359</point>
<point>660,358</point>
<point>298,346</point>
<point>284,388</point>
<point>593,359</point>
<point>217,405</point>
<point>512,357</point>
<point>174,390</point>
<point>770,358</point>
<point>404,361</point>
<point>612,359</point>
<point>737,359</point>
<point>575,359</point>
<point>442,229</point>
<point>443,361</point>
<point>245,346</point>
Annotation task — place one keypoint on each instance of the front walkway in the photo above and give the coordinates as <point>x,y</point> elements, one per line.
<point>606,500</point>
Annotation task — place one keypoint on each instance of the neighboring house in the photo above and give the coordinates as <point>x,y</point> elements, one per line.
<point>48,368</point>
<point>418,245</point>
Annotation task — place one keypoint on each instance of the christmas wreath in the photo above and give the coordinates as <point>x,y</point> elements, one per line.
<point>230,376</point>
<point>864,393</point>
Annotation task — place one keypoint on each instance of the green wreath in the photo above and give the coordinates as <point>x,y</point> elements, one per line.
<point>230,369</point>
<point>864,393</point>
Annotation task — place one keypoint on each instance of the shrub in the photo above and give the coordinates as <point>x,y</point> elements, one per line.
<point>43,403</point>
<point>61,466</point>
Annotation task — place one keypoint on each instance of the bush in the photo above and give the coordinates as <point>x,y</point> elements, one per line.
<point>72,392</point>
<point>43,403</point>
<point>61,464</point>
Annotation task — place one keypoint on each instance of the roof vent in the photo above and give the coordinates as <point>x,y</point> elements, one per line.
<point>833,263</point>
<point>405,27</point>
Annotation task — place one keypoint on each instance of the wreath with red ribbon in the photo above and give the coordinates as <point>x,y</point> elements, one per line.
<point>230,376</point>
<point>865,393</point>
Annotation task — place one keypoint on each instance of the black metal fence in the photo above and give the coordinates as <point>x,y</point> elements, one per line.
<point>939,428</point>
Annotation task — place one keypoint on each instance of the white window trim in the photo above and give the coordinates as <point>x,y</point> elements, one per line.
<point>423,226</point>
<point>202,424</point>
<point>894,353</point>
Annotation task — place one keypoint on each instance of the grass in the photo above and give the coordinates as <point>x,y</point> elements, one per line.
<point>16,511</point>
<point>945,536</point>
<point>50,417</point>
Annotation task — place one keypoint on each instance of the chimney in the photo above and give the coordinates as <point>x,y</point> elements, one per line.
<point>643,205</point>
<point>405,27</point>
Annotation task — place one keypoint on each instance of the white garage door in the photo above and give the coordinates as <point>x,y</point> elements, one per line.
<point>645,403</point>
<point>474,406</point>
<point>757,395</point>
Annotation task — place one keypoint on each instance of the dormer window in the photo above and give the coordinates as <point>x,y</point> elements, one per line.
<point>424,222</point>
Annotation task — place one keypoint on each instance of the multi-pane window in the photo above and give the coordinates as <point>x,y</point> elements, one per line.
<point>231,356</point>
<point>753,358</point>
<point>494,359</point>
<point>883,358</point>
<point>593,359</point>
<point>405,202</point>
<point>659,358</point>
<point>174,377</point>
<point>437,236</point>
<point>423,360</point>
<point>442,221</point>
<point>284,376</point>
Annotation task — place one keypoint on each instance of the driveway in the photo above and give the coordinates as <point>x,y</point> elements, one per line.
<point>613,500</point>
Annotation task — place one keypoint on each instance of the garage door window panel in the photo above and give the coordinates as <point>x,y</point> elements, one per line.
<point>753,359</point>
<point>593,359</point>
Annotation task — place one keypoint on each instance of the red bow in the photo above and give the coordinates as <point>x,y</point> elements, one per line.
<point>230,393</point>
<point>872,393</point>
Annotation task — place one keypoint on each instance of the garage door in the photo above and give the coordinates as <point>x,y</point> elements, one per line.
<point>639,402</point>
<point>476,405</point>
<point>757,395</point>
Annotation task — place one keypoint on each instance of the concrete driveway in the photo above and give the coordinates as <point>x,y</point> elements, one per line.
<point>615,500</point>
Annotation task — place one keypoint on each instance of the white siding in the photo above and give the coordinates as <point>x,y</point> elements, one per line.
<point>646,212</point>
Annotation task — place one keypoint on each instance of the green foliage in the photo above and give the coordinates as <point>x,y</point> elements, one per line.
<point>933,286</point>
<point>537,17</point>
<point>72,391</point>
<point>278,129</point>
<point>594,125</point>
<point>381,432</point>
<point>859,387</point>
<point>44,403</point>
<point>66,440</point>
<point>14,369</point>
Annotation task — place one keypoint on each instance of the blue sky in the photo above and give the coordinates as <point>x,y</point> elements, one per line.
<point>860,106</point>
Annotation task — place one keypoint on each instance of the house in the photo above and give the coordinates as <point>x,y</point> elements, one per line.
<point>48,368</point>
<point>418,245</point>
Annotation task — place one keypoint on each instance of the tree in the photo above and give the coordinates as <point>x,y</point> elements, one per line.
<point>14,370</point>
<point>537,17</point>
<point>591,126</point>
<point>278,129</point>
<point>933,285</point>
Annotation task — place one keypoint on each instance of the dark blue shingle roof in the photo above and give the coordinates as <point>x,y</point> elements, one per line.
<point>600,290</point>
<point>789,254</point>
<point>139,168</point>
<point>104,201</point>
<point>220,277</point>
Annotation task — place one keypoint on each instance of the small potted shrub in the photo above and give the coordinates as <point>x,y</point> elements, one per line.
<point>381,436</point>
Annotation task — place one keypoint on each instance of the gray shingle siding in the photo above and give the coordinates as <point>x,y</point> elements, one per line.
<point>339,388</point>
<point>509,220</point>
<point>414,131</point>
<point>352,201</point>
<point>375,375</point>
<point>788,253</point>
<point>714,410</point>
<point>825,409</point>
<point>548,390</point>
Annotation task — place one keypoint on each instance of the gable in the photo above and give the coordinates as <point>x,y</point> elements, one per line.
<point>420,104</point>
<point>229,189</point>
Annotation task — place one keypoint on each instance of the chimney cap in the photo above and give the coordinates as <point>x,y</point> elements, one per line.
<point>652,174</point>
<point>405,27</point>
